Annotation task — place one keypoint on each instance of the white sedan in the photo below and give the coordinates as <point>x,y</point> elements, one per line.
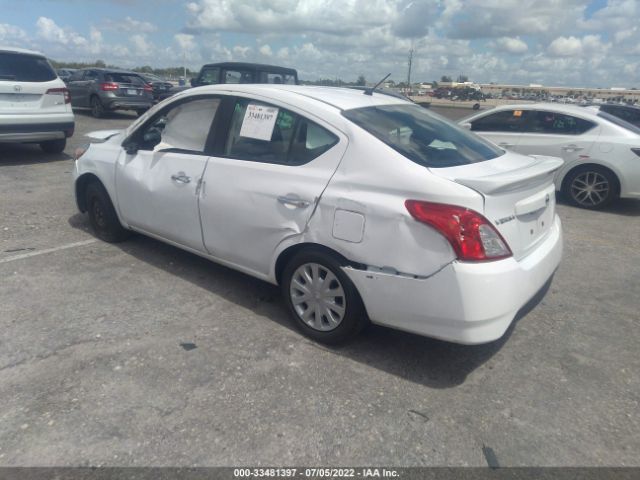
<point>361,206</point>
<point>601,152</point>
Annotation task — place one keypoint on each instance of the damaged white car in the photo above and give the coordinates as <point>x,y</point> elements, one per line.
<point>361,206</point>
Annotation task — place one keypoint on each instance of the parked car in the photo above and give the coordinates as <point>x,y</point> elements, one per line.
<point>158,85</point>
<point>359,206</point>
<point>239,72</point>
<point>600,151</point>
<point>34,102</point>
<point>628,113</point>
<point>65,73</point>
<point>106,90</point>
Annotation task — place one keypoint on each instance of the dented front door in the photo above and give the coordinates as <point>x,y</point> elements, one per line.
<point>157,194</point>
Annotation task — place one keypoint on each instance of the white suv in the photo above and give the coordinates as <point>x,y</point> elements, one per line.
<point>35,106</point>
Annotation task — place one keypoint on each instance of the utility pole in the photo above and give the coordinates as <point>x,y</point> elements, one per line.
<point>184,63</point>
<point>409,73</point>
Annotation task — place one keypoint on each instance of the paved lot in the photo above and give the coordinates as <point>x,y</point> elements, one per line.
<point>92,371</point>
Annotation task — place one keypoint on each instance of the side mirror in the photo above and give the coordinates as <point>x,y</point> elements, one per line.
<point>130,147</point>
<point>466,125</point>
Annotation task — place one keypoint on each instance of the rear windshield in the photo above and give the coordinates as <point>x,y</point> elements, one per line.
<point>618,121</point>
<point>423,137</point>
<point>124,78</point>
<point>25,68</point>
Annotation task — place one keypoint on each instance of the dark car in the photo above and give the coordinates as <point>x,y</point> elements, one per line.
<point>239,72</point>
<point>105,90</point>
<point>627,113</point>
<point>159,85</point>
<point>65,73</point>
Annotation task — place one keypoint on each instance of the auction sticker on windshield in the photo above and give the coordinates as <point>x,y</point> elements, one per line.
<point>258,122</point>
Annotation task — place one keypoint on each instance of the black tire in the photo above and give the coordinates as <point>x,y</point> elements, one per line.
<point>590,187</point>
<point>354,318</point>
<point>54,146</point>
<point>102,215</point>
<point>97,109</point>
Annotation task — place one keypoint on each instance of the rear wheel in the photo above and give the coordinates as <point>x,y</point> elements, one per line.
<point>590,187</point>
<point>102,215</point>
<point>97,109</point>
<point>321,298</point>
<point>54,146</point>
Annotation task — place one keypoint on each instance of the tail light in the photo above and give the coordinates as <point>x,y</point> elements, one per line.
<point>60,91</point>
<point>148,88</point>
<point>109,86</point>
<point>636,151</point>
<point>471,235</point>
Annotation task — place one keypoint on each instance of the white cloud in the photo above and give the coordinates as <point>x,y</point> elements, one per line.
<point>511,45</point>
<point>141,45</point>
<point>266,51</point>
<point>49,31</point>
<point>11,34</point>
<point>130,25</point>
<point>573,46</point>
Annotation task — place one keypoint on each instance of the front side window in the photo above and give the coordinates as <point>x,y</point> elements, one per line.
<point>267,77</point>
<point>183,128</point>
<point>423,137</point>
<point>210,76</point>
<point>558,124</point>
<point>265,133</point>
<point>503,121</point>
<point>25,68</point>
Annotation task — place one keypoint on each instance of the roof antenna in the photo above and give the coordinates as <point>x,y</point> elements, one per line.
<point>369,91</point>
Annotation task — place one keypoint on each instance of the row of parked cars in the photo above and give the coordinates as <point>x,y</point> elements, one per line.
<point>362,206</point>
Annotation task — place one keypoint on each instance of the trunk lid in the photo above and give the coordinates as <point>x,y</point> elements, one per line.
<point>519,195</point>
<point>28,97</point>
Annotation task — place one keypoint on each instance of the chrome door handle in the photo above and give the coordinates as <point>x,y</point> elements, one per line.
<point>572,148</point>
<point>294,201</point>
<point>505,145</point>
<point>180,177</point>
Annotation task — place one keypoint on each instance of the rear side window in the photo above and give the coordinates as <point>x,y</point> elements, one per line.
<point>267,77</point>
<point>25,68</point>
<point>620,122</point>
<point>237,76</point>
<point>265,133</point>
<point>422,136</point>
<point>628,114</point>
<point>558,123</point>
<point>504,121</point>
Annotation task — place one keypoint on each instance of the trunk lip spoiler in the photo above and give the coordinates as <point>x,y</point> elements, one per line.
<point>512,179</point>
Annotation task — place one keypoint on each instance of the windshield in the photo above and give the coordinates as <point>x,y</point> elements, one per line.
<point>619,122</point>
<point>423,137</point>
<point>25,68</point>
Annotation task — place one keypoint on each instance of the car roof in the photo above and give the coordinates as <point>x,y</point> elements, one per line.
<point>337,97</point>
<point>254,66</point>
<point>20,50</point>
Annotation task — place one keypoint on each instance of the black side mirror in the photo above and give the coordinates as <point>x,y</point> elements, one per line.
<point>130,147</point>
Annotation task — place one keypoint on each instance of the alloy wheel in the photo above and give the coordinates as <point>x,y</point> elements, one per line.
<point>590,189</point>
<point>317,297</point>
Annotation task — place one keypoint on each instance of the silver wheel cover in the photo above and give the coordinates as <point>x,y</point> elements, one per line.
<point>317,297</point>
<point>590,189</point>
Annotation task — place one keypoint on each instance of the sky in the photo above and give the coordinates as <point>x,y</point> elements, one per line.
<point>593,43</point>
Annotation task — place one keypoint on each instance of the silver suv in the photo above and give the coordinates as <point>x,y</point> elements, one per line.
<point>35,106</point>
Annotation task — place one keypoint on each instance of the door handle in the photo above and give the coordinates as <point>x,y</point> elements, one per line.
<point>180,177</point>
<point>505,145</point>
<point>572,148</point>
<point>294,201</point>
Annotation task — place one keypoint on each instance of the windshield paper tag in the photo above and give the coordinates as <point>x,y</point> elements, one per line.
<point>258,122</point>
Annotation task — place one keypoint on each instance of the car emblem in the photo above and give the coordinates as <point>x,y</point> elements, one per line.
<point>17,88</point>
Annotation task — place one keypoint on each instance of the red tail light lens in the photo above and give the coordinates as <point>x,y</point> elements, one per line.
<point>60,91</point>
<point>109,86</point>
<point>471,235</point>
<point>148,88</point>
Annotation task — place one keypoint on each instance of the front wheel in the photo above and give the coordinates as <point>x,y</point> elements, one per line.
<point>321,298</point>
<point>102,215</point>
<point>590,187</point>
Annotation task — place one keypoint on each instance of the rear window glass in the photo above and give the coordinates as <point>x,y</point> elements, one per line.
<point>618,121</point>
<point>423,137</point>
<point>25,68</point>
<point>124,78</point>
<point>558,123</point>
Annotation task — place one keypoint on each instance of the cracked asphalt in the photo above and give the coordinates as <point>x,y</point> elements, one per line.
<point>140,354</point>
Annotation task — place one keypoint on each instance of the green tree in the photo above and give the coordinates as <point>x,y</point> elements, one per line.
<point>361,81</point>
<point>445,79</point>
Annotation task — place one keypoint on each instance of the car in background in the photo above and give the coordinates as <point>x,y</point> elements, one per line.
<point>301,187</point>
<point>105,90</point>
<point>627,113</point>
<point>158,85</point>
<point>600,152</point>
<point>239,72</point>
<point>65,73</point>
<point>34,102</point>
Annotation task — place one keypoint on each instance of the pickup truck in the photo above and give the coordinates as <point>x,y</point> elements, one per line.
<point>239,72</point>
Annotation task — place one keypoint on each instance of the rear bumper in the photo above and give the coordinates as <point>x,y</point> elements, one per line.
<point>127,104</point>
<point>464,302</point>
<point>36,132</point>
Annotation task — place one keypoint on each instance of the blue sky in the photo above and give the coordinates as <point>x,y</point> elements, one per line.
<point>553,42</point>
